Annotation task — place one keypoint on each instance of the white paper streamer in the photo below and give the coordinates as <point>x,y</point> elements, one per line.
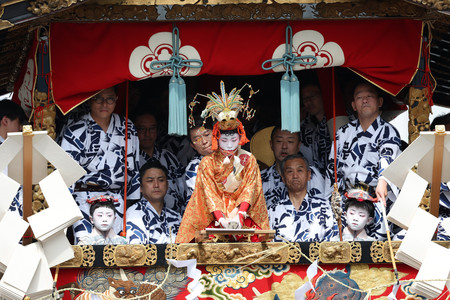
<point>310,272</point>
<point>194,286</point>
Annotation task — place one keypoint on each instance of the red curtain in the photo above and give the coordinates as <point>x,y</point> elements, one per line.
<point>88,57</point>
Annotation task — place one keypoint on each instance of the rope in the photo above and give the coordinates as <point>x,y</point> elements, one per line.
<point>289,59</point>
<point>176,63</point>
<point>124,230</point>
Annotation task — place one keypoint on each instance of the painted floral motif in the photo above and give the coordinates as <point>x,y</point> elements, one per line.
<point>312,43</point>
<point>159,48</point>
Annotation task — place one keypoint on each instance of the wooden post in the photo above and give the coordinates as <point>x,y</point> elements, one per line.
<point>437,169</point>
<point>27,180</point>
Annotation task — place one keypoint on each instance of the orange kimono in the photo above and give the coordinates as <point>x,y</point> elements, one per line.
<point>223,184</point>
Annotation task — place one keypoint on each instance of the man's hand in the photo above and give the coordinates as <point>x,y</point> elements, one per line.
<point>381,191</point>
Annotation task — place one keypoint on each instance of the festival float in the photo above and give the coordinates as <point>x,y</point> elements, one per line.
<point>61,53</point>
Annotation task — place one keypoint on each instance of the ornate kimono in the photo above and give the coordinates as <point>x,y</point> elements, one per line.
<point>315,136</point>
<point>313,222</point>
<point>361,158</point>
<point>146,226</point>
<point>102,155</point>
<point>175,198</point>
<point>217,188</point>
<point>273,185</point>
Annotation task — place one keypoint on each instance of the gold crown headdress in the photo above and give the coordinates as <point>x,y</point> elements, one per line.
<point>224,109</point>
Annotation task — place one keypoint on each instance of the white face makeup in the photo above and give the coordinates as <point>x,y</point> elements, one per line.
<point>229,142</point>
<point>357,218</point>
<point>103,218</point>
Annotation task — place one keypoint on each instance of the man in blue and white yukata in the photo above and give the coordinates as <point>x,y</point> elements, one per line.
<point>97,143</point>
<point>11,119</point>
<point>284,143</point>
<point>150,221</point>
<point>147,128</point>
<point>314,132</point>
<point>200,137</point>
<point>298,216</point>
<point>365,147</point>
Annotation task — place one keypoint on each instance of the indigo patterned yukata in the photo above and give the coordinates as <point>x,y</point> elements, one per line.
<point>146,226</point>
<point>102,154</point>
<point>16,204</point>
<point>361,157</point>
<point>191,175</point>
<point>273,185</point>
<point>175,198</point>
<point>313,222</point>
<point>315,136</point>
<point>444,212</point>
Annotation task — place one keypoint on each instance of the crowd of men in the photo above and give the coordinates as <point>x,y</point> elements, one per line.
<point>297,187</point>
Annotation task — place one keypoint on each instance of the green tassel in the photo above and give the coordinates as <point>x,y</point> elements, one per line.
<point>294,99</point>
<point>182,121</point>
<point>285,99</point>
<point>290,103</point>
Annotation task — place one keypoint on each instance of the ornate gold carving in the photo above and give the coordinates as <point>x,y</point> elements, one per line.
<point>437,4</point>
<point>425,202</point>
<point>5,24</point>
<point>111,13</point>
<point>314,250</point>
<point>386,8</point>
<point>335,252</point>
<point>108,255</point>
<point>238,253</point>
<point>419,112</point>
<point>44,113</point>
<point>75,262</point>
<point>386,253</point>
<point>171,251</point>
<point>129,255</point>
<point>356,252</point>
<point>41,7</point>
<point>235,12</point>
<point>152,255</point>
<point>88,256</point>
<point>376,251</point>
<point>294,252</point>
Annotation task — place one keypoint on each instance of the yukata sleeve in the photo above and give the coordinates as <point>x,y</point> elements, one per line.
<point>324,144</point>
<point>389,148</point>
<point>136,232</point>
<point>133,191</point>
<point>72,144</point>
<point>330,226</point>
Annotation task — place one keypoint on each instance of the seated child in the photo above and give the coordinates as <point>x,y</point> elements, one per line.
<point>359,211</point>
<point>103,214</point>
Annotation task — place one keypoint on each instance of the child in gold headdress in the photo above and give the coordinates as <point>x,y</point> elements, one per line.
<point>228,190</point>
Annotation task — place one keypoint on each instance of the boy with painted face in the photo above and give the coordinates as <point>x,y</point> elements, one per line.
<point>103,215</point>
<point>228,189</point>
<point>359,211</point>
